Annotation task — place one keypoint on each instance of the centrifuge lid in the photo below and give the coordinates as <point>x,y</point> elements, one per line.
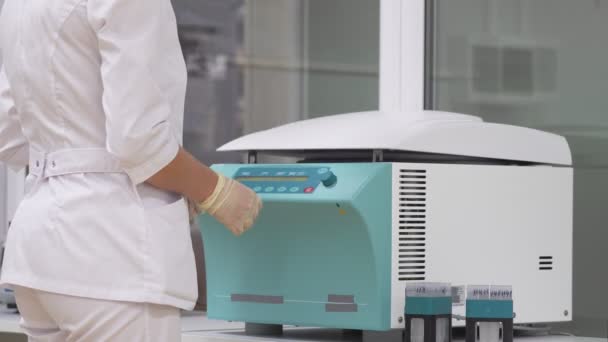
<point>427,132</point>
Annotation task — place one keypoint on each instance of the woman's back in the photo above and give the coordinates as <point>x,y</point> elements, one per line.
<point>94,93</point>
<point>91,98</point>
<point>51,53</point>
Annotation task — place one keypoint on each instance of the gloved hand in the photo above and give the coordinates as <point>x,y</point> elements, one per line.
<point>233,205</point>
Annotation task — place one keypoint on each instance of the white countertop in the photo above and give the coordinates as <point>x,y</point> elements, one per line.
<point>197,328</point>
<point>191,322</point>
<point>320,335</point>
<point>197,321</point>
<point>9,322</point>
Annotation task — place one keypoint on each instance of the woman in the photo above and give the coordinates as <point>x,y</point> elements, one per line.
<point>91,97</point>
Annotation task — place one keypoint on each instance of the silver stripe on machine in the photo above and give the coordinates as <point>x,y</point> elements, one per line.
<point>341,303</point>
<point>249,298</point>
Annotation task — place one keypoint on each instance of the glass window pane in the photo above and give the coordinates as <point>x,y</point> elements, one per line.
<point>257,64</point>
<point>540,64</point>
<point>343,55</point>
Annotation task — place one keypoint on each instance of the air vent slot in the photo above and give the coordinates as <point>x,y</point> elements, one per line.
<point>545,263</point>
<point>412,219</point>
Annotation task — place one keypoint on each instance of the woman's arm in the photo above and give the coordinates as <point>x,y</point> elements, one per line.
<point>138,114</point>
<point>231,203</point>
<point>183,175</point>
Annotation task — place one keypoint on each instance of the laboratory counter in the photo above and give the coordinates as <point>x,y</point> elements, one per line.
<point>320,335</point>
<point>197,328</point>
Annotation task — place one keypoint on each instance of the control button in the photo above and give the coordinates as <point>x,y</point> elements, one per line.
<point>294,189</point>
<point>323,170</point>
<point>269,189</point>
<point>329,180</point>
<point>282,189</point>
<point>281,173</point>
<point>257,189</point>
<point>309,190</point>
<point>293,173</point>
<point>245,173</point>
<point>265,173</point>
<point>301,173</point>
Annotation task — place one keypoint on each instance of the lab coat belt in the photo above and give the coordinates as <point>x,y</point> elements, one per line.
<point>68,161</point>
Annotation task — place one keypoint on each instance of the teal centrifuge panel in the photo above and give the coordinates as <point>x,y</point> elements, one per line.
<point>318,256</point>
<point>293,180</point>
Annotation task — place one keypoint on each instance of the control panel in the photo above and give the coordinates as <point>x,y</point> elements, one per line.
<point>286,180</point>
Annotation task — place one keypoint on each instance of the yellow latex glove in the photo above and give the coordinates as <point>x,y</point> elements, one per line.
<point>233,205</point>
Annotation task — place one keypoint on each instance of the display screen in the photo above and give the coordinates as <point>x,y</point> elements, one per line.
<point>272,179</point>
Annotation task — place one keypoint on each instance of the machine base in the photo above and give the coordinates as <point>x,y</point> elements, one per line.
<point>256,329</point>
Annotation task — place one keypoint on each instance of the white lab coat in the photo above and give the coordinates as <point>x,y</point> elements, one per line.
<point>92,97</point>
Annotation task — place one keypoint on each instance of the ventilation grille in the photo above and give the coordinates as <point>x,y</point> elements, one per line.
<point>545,263</point>
<point>412,224</point>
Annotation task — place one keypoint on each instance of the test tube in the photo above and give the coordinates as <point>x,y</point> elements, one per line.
<point>428,312</point>
<point>489,314</point>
